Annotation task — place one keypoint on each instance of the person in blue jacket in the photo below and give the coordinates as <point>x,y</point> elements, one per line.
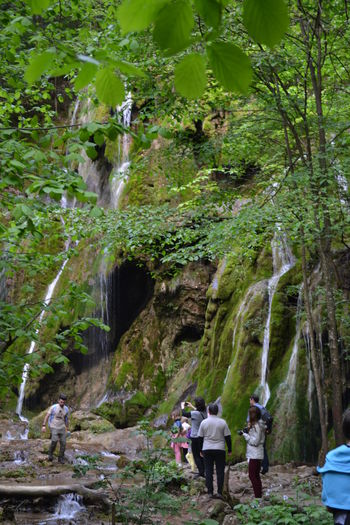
<point>336,478</point>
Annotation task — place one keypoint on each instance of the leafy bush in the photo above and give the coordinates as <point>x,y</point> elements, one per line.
<point>286,512</point>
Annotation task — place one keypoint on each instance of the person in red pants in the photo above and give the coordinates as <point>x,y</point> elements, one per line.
<point>254,435</point>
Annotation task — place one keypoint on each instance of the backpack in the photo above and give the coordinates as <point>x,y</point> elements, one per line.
<point>176,429</point>
<point>267,419</point>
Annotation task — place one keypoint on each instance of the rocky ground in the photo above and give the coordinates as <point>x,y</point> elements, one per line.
<point>26,474</point>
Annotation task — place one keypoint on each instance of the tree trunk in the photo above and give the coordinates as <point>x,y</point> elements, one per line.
<point>55,490</point>
<point>319,188</point>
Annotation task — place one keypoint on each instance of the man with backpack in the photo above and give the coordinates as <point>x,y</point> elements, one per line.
<point>268,420</point>
<point>57,418</point>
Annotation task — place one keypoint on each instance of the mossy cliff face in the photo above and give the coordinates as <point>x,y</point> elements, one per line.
<point>231,351</point>
<point>159,343</point>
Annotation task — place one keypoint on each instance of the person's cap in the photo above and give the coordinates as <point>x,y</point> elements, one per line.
<point>63,396</point>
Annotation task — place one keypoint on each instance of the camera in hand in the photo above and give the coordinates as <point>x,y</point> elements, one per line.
<point>186,404</point>
<point>242,431</point>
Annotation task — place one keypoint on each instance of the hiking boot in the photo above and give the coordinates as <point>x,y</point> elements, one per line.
<point>61,460</point>
<point>218,496</point>
<point>264,471</point>
<point>50,458</point>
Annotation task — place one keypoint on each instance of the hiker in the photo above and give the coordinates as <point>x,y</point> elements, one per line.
<point>214,432</point>
<point>176,432</point>
<point>266,417</point>
<point>197,415</point>
<point>254,434</point>
<point>186,428</point>
<point>336,478</point>
<point>189,456</point>
<point>57,418</point>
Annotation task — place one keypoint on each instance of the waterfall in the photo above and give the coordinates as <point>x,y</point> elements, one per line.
<point>119,174</point>
<point>68,507</point>
<point>283,261</point>
<point>47,300</point>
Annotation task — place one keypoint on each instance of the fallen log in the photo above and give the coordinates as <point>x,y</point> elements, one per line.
<point>94,496</point>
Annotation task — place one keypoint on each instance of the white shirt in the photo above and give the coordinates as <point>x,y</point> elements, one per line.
<point>213,430</point>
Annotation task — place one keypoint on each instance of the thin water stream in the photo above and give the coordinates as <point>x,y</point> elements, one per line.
<point>283,261</point>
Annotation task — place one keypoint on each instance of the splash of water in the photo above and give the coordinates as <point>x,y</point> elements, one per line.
<point>68,507</point>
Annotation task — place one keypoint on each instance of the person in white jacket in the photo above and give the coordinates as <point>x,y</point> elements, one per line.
<point>254,435</point>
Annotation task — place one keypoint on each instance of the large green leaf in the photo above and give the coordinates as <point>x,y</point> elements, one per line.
<point>38,64</point>
<point>129,69</point>
<point>109,87</point>
<point>210,11</point>
<point>230,66</point>
<point>135,15</point>
<point>173,26</point>
<point>190,76</point>
<point>85,75</point>
<point>38,6</point>
<point>266,20</point>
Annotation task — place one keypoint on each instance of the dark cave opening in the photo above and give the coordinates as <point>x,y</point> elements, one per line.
<point>120,297</point>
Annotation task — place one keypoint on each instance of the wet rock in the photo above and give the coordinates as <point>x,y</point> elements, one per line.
<point>94,423</point>
<point>230,519</point>
<point>122,461</point>
<point>161,421</point>
<point>217,509</point>
<point>121,441</point>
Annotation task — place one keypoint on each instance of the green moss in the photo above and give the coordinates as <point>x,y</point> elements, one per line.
<point>126,376</point>
<point>127,413</point>
<point>35,425</point>
<point>91,422</point>
<point>17,473</point>
<point>179,383</point>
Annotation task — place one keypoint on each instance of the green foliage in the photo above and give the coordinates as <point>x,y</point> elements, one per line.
<point>135,15</point>
<point>142,489</point>
<point>109,87</point>
<point>266,20</point>
<point>84,463</point>
<point>38,65</point>
<point>230,66</point>
<point>173,26</point>
<point>190,76</point>
<point>286,511</point>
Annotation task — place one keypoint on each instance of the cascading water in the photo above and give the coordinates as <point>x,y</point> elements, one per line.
<point>119,174</point>
<point>117,183</point>
<point>47,300</point>
<point>68,507</point>
<point>283,261</point>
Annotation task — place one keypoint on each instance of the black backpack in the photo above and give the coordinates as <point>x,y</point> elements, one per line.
<point>267,418</point>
